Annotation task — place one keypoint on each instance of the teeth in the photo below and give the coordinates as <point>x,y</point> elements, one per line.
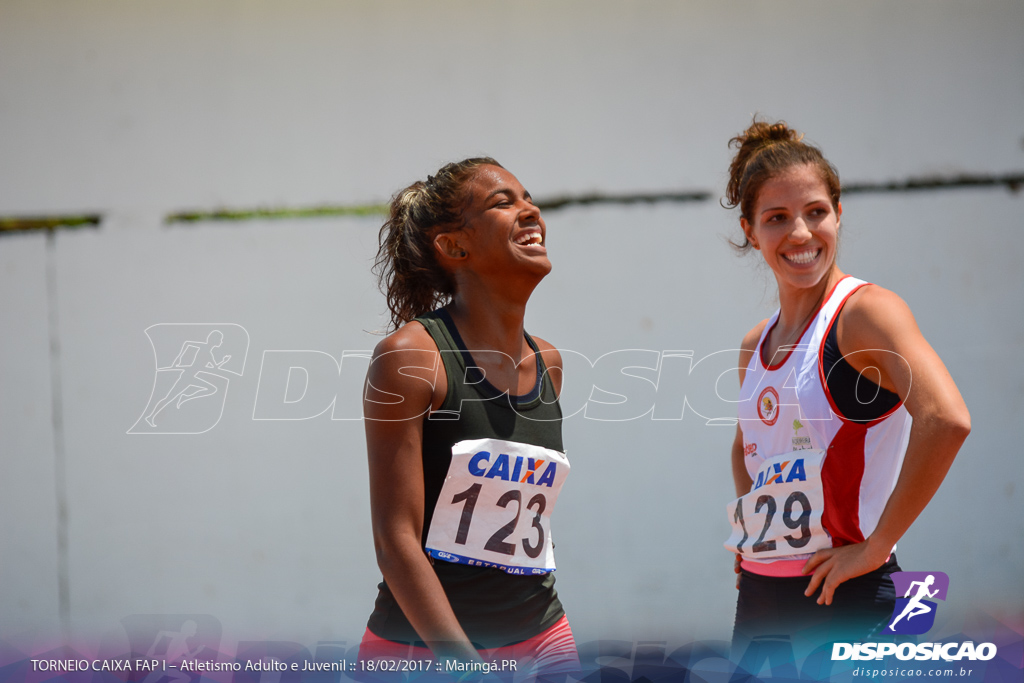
<point>803,256</point>
<point>529,238</point>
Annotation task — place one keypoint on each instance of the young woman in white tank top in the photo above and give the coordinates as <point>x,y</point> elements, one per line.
<point>848,419</point>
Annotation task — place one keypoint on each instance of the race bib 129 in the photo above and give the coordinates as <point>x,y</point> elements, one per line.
<point>782,513</point>
<point>495,506</point>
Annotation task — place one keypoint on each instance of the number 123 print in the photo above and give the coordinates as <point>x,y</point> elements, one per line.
<point>495,506</point>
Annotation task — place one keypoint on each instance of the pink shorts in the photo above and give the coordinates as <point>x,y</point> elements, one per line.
<point>552,651</point>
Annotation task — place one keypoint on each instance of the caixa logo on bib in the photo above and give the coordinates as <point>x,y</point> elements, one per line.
<point>915,611</point>
<point>781,473</point>
<point>523,470</point>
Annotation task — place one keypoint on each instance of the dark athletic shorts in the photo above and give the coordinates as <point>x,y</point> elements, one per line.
<point>775,608</point>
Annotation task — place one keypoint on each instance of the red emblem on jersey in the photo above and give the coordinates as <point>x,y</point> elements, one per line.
<point>768,406</point>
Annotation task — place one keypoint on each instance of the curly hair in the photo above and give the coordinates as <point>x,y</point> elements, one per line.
<point>406,266</point>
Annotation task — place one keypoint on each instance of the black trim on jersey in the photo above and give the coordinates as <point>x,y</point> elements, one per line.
<point>858,398</point>
<point>475,377</point>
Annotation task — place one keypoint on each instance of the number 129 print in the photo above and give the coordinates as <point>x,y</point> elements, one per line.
<point>794,479</point>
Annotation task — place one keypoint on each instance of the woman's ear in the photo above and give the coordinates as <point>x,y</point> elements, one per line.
<point>749,232</point>
<point>448,245</point>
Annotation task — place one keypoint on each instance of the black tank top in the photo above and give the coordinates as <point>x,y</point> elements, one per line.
<point>493,607</point>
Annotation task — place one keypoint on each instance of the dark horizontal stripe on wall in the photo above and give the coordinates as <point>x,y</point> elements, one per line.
<point>268,213</point>
<point>625,198</point>
<point>13,224</point>
<point>1012,181</point>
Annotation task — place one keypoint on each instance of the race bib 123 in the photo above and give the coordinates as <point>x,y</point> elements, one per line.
<point>495,507</point>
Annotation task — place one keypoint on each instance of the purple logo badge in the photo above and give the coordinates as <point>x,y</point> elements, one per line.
<point>915,610</point>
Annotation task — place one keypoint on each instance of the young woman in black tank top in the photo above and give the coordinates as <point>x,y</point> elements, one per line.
<point>460,256</point>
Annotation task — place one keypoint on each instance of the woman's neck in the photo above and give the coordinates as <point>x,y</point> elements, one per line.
<point>798,305</point>
<point>489,310</point>
<point>489,322</point>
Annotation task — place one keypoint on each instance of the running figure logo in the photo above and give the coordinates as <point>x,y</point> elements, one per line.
<point>915,613</point>
<point>172,638</point>
<point>193,361</point>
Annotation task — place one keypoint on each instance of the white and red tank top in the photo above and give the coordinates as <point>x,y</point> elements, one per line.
<point>784,408</point>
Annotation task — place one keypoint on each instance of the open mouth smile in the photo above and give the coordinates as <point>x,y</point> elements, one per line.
<point>529,238</point>
<point>802,257</point>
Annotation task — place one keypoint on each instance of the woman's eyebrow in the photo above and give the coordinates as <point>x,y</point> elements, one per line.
<point>508,191</point>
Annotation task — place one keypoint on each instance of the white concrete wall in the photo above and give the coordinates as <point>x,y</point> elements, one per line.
<point>137,110</point>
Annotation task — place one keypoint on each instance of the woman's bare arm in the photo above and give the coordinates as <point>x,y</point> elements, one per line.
<point>401,386</point>
<point>740,477</point>
<point>878,330</point>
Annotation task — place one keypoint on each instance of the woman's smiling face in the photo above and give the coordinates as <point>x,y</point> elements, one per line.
<point>795,227</point>
<point>503,226</point>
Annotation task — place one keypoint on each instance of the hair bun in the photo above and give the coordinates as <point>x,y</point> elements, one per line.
<point>762,133</point>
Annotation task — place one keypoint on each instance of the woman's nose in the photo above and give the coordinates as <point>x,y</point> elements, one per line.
<point>531,212</point>
<point>800,232</point>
